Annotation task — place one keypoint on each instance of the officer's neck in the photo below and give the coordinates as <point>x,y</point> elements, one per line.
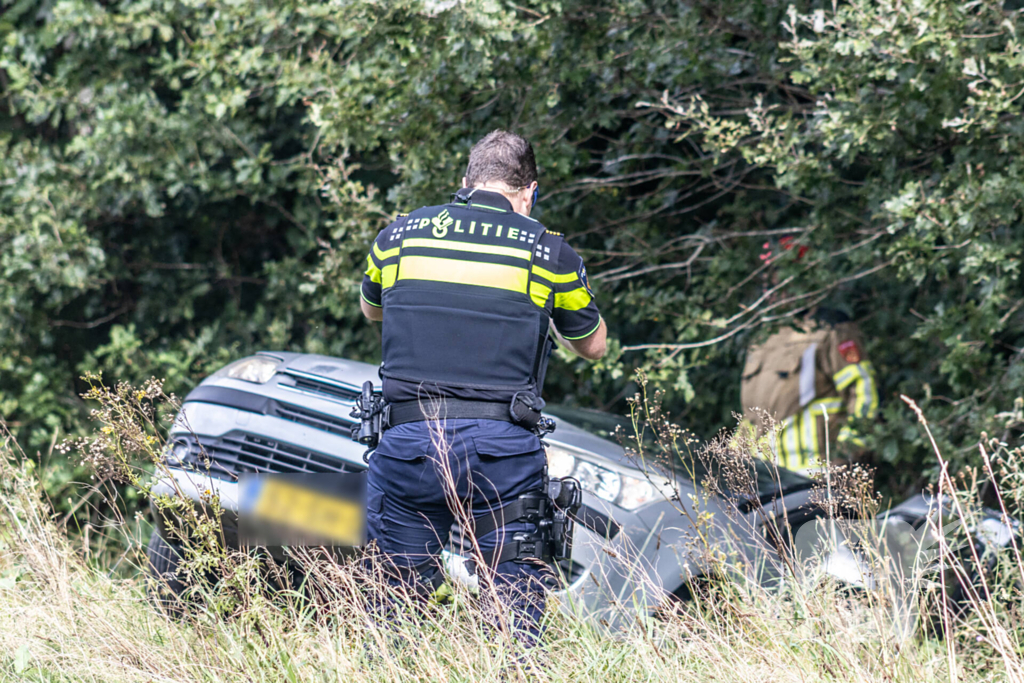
<point>519,205</point>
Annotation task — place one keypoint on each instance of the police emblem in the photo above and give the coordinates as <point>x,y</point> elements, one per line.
<point>583,277</point>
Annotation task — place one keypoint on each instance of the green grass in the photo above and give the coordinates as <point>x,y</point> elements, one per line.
<point>63,618</point>
<point>74,607</point>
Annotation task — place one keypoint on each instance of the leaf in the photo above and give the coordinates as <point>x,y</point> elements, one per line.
<point>21,659</point>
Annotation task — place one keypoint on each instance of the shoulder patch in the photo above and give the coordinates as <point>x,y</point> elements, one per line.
<point>582,272</point>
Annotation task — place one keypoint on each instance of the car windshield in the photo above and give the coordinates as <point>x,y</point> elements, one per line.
<point>770,481</point>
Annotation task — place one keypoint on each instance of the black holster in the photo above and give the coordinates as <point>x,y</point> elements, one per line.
<point>551,512</point>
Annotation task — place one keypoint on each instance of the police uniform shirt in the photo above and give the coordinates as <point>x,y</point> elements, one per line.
<point>553,276</point>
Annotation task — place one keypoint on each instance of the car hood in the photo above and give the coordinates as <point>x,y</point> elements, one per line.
<point>329,368</point>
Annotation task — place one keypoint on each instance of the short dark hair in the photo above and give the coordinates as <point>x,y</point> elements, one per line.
<point>503,157</point>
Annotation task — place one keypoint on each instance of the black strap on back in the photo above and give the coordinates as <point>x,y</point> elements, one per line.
<point>587,517</point>
<point>527,509</point>
<point>523,551</point>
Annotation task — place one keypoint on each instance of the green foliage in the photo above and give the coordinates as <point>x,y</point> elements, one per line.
<point>187,182</point>
<point>898,150</point>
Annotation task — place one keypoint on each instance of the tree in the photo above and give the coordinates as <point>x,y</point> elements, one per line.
<point>187,182</point>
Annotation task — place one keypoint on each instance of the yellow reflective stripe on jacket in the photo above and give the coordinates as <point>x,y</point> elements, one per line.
<point>372,271</point>
<point>575,300</point>
<point>383,255</point>
<point>511,278</point>
<point>454,245</point>
<point>555,278</point>
<point>862,377</point>
<point>866,394</point>
<point>846,376</point>
<point>832,406</point>
<point>790,448</point>
<point>811,452</point>
<point>798,445</point>
<point>848,436</point>
<point>809,436</point>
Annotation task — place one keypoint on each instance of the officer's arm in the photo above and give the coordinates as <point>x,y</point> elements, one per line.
<point>576,321</point>
<point>371,292</point>
<point>371,312</point>
<point>591,347</point>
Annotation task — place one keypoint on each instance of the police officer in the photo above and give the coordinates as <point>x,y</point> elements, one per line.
<point>799,375</point>
<point>466,292</point>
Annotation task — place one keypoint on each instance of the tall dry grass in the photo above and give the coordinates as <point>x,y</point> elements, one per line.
<point>64,616</point>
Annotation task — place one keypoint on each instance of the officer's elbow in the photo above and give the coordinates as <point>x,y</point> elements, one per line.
<point>595,352</point>
<point>594,346</point>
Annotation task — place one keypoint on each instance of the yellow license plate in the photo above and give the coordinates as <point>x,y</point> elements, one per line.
<point>313,514</point>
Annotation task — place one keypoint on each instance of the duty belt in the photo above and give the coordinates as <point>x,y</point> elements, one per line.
<point>520,411</point>
<point>448,409</point>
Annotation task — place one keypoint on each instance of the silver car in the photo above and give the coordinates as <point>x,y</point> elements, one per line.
<point>645,533</point>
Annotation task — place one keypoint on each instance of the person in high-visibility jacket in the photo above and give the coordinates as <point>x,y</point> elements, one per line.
<point>797,377</point>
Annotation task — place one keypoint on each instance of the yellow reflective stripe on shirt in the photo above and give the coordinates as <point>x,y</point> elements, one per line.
<point>556,278</point>
<point>539,293</point>
<point>461,272</point>
<point>454,245</point>
<point>383,255</point>
<point>372,271</point>
<point>584,336</point>
<point>388,274</point>
<point>369,302</point>
<point>575,300</point>
<point>865,402</point>
<point>808,429</point>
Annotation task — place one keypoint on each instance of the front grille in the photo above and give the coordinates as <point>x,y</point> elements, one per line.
<point>313,419</point>
<point>311,386</point>
<point>229,456</point>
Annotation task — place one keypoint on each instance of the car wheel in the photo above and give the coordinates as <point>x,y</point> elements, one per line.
<point>166,588</point>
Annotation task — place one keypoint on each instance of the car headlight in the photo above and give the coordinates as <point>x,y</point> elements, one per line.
<point>994,532</point>
<point>176,452</point>
<point>629,491</point>
<point>258,370</point>
<point>603,483</point>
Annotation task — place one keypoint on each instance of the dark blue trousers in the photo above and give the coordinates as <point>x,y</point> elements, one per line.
<point>422,471</point>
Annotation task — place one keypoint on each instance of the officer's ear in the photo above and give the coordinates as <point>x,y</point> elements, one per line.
<point>464,183</point>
